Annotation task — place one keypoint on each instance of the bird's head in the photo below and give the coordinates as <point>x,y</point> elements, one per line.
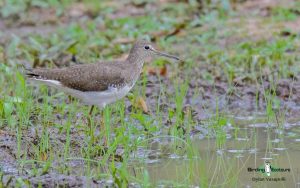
<point>143,49</point>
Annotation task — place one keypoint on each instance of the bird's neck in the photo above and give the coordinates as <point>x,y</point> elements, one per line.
<point>135,63</point>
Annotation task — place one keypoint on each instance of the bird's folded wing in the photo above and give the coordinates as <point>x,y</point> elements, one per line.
<point>87,77</point>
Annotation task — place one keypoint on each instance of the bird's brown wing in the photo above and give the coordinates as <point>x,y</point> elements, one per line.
<point>88,77</point>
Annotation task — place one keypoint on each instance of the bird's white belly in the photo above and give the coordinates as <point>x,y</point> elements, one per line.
<point>104,97</point>
<point>99,98</point>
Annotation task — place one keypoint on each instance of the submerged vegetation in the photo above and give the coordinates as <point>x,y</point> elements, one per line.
<point>232,104</point>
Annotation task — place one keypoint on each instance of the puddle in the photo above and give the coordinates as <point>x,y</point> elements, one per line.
<point>260,143</point>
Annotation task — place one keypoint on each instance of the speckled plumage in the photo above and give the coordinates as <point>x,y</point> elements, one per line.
<point>110,80</point>
<point>88,77</point>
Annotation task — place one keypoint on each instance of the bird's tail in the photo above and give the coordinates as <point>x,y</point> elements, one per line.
<point>31,74</point>
<point>27,71</point>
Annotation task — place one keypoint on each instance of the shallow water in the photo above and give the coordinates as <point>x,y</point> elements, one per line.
<point>228,164</point>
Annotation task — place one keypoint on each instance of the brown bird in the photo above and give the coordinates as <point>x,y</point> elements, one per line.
<point>100,83</point>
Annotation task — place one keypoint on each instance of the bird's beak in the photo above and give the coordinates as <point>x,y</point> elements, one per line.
<point>164,54</point>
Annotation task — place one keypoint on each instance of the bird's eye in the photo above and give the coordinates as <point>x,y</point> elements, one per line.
<point>147,47</point>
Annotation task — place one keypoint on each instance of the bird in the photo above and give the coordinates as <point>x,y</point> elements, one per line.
<point>101,83</point>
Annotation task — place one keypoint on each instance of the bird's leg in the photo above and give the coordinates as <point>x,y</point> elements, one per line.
<point>90,118</point>
<point>102,127</point>
<point>91,110</point>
